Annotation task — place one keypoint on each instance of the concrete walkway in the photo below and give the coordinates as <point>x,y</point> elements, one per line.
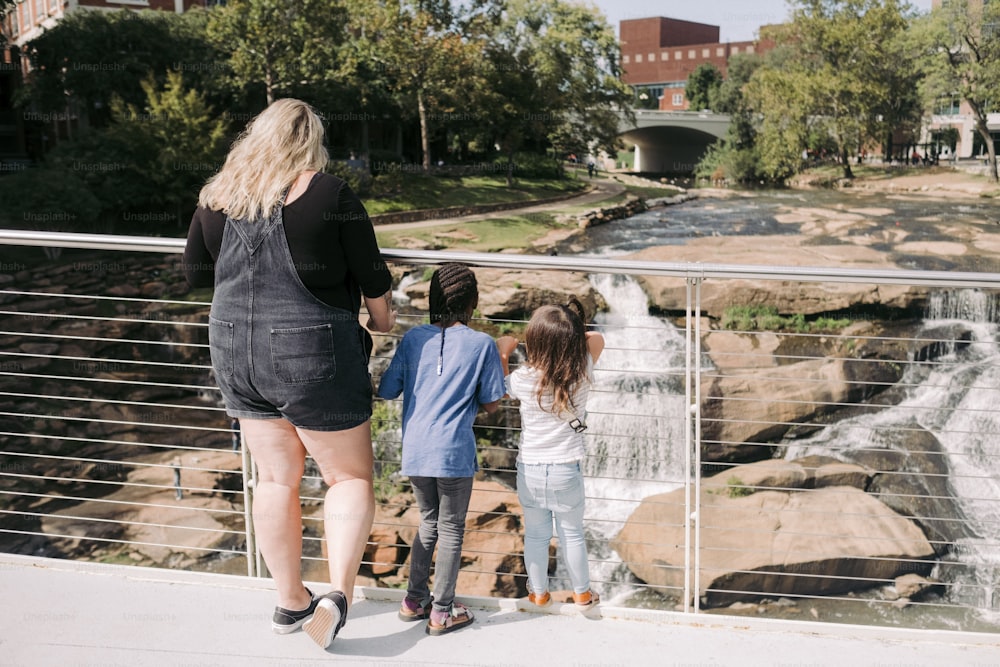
<point>59,612</point>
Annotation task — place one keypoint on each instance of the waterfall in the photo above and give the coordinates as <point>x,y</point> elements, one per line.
<point>636,431</point>
<point>957,402</point>
<point>635,439</point>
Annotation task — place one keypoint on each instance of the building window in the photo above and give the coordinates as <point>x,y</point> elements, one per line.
<point>705,53</point>
<point>664,55</point>
<point>651,58</point>
<point>678,99</point>
<point>678,55</point>
<point>624,60</point>
<point>947,106</point>
<point>692,54</point>
<point>750,49</point>
<point>638,57</point>
<point>720,52</point>
<point>736,50</point>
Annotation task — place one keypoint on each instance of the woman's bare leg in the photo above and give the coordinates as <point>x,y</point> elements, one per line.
<point>345,461</point>
<point>277,510</point>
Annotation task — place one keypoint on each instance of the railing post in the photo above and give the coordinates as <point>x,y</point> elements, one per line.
<point>692,431</point>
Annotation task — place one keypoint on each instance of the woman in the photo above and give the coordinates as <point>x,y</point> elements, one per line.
<point>291,252</point>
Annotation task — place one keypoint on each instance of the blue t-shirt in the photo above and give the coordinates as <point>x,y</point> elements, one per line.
<point>438,410</point>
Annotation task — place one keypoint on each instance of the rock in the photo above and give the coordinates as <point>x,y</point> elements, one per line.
<point>749,543</point>
<point>924,493</point>
<point>738,424</point>
<point>825,471</point>
<point>913,586</point>
<point>746,479</point>
<point>507,294</point>
<point>789,297</point>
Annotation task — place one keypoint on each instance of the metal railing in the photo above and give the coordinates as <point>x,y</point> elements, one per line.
<point>794,468</point>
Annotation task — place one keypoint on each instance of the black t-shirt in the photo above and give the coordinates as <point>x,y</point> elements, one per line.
<point>329,234</point>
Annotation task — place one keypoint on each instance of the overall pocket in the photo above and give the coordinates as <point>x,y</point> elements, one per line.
<point>220,345</point>
<point>303,354</point>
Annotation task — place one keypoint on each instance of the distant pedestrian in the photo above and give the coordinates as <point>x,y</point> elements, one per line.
<point>591,169</point>
<point>553,385</point>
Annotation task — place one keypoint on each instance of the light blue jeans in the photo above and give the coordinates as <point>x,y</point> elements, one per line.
<point>547,492</point>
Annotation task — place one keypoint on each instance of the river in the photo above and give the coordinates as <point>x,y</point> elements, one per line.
<point>630,458</point>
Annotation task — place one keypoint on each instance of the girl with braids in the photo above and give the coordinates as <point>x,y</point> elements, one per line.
<point>553,385</point>
<point>445,372</point>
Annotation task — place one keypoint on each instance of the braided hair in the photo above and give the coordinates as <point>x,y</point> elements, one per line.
<point>454,294</point>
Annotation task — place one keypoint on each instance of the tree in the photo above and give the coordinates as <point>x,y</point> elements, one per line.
<point>186,138</point>
<point>962,40</point>
<point>831,78</point>
<point>737,155</point>
<point>146,167</point>
<point>419,52</point>
<point>86,57</point>
<point>551,75</point>
<point>278,46</point>
<point>702,84</point>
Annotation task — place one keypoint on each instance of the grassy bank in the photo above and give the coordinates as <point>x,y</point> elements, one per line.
<point>511,231</point>
<point>497,232</point>
<point>415,192</point>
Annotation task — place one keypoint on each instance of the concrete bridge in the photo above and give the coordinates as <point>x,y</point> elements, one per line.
<point>672,141</point>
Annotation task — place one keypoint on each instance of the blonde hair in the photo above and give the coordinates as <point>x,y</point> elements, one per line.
<point>281,142</point>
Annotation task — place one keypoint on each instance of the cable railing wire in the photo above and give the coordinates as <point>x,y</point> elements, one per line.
<point>609,473</point>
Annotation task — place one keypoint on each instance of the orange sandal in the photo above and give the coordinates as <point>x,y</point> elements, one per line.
<point>540,599</point>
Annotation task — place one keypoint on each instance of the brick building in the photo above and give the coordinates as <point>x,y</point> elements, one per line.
<point>659,53</point>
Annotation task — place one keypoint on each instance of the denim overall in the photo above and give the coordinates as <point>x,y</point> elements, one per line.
<point>277,350</point>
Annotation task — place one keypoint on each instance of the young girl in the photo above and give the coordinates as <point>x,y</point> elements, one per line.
<point>446,372</point>
<point>553,386</point>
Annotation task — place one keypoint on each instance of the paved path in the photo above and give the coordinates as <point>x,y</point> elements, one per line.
<point>58,612</point>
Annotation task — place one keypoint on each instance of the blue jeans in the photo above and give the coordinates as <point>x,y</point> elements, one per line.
<point>550,491</point>
<point>443,502</point>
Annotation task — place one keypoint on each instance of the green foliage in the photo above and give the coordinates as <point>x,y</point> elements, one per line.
<point>387,449</point>
<point>358,179</point>
<point>48,199</point>
<point>735,488</point>
<point>767,318</point>
<point>838,70</point>
<point>143,171</point>
<point>703,86</point>
<point>87,57</point>
<point>280,47</point>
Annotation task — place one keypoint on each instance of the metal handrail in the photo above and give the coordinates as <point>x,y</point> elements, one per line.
<point>701,270</point>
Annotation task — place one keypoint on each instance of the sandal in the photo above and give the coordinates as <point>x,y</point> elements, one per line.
<point>442,622</point>
<point>586,599</point>
<point>412,610</point>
